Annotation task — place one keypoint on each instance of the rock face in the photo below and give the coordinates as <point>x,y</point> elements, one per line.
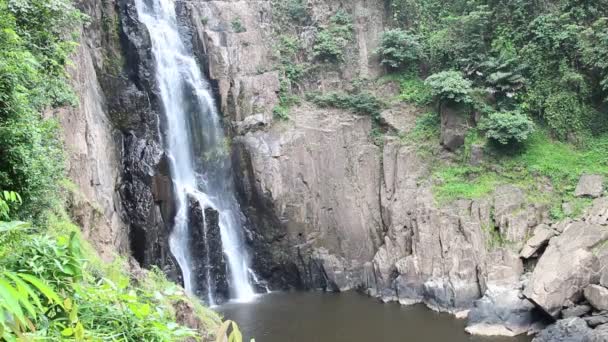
<point>321,175</point>
<point>541,237</point>
<point>209,268</point>
<point>454,127</point>
<point>590,186</point>
<point>566,330</point>
<point>598,296</point>
<point>568,266</point>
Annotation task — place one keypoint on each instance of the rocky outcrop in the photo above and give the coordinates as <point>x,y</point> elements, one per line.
<point>454,126</point>
<point>208,267</point>
<point>597,296</point>
<point>321,175</point>
<point>568,266</point>
<point>566,330</point>
<point>590,186</point>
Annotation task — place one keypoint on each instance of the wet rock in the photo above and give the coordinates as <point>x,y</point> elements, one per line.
<point>597,296</point>
<point>590,186</point>
<point>541,237</point>
<point>565,330</point>
<point>576,311</point>
<point>567,267</point>
<point>208,266</point>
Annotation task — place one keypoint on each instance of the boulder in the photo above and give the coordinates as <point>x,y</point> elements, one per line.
<point>590,186</point>
<point>594,321</point>
<point>576,311</point>
<point>568,265</point>
<point>597,296</point>
<point>566,330</point>
<point>454,127</point>
<point>501,312</point>
<point>599,334</point>
<point>541,237</point>
<point>477,154</point>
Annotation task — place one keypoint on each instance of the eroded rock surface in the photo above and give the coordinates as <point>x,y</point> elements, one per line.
<point>568,266</point>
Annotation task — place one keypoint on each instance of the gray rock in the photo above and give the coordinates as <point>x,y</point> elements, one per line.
<point>565,330</point>
<point>541,237</point>
<point>510,215</point>
<point>599,334</point>
<point>566,268</point>
<point>401,118</point>
<point>597,296</point>
<point>501,312</point>
<point>576,311</point>
<point>594,321</point>
<point>598,213</point>
<point>454,127</point>
<point>590,186</point>
<point>477,155</point>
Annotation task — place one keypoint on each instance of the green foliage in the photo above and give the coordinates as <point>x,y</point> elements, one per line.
<point>362,103</point>
<point>450,86</point>
<point>62,292</point>
<point>331,41</point>
<point>287,50</point>
<point>543,160</point>
<point>546,59</point>
<point>34,49</point>
<point>8,198</point>
<point>455,182</point>
<point>237,25</point>
<point>286,101</point>
<point>399,49</point>
<point>416,91</point>
<point>507,128</point>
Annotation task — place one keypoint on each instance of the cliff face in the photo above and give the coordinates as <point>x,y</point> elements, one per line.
<point>112,139</point>
<point>327,205</point>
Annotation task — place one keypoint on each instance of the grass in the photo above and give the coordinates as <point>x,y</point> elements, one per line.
<point>541,160</point>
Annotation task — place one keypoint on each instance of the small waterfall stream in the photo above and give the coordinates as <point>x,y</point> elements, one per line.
<point>196,145</point>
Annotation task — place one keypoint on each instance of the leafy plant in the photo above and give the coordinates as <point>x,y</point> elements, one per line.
<point>331,41</point>
<point>363,103</point>
<point>416,91</point>
<point>507,128</point>
<point>399,49</point>
<point>237,25</point>
<point>450,86</point>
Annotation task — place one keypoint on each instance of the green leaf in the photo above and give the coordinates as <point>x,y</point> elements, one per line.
<point>42,287</point>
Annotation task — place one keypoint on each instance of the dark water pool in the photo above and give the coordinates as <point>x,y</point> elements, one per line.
<point>344,317</point>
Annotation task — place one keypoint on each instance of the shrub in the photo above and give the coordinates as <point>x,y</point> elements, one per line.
<point>362,103</point>
<point>450,86</point>
<point>507,127</point>
<point>237,25</point>
<point>399,49</point>
<point>330,41</point>
<point>416,91</point>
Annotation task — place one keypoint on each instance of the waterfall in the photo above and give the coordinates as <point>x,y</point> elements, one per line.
<point>197,149</point>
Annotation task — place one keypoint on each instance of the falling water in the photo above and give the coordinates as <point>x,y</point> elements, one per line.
<point>195,142</point>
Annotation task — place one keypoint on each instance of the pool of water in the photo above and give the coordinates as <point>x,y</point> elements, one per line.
<point>344,317</point>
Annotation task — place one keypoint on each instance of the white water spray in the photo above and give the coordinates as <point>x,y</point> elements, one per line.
<point>193,130</point>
